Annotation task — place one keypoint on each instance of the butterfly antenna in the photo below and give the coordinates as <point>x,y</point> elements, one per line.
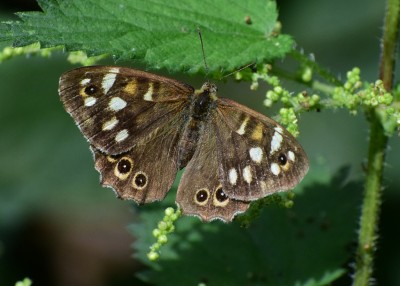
<point>238,70</point>
<point>202,50</point>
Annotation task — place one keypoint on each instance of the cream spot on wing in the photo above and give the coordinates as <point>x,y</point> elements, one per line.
<point>247,176</point>
<point>148,96</point>
<point>276,142</point>
<point>291,156</point>
<point>109,79</point>
<point>131,87</point>
<point>85,81</point>
<point>279,129</point>
<point>90,101</point>
<point>117,103</point>
<point>275,169</point>
<point>111,159</point>
<point>122,135</point>
<point>242,128</point>
<point>110,124</point>
<point>233,176</point>
<point>257,132</point>
<point>256,154</point>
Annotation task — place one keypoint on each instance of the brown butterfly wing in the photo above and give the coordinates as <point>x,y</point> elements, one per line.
<point>117,108</point>
<point>132,119</point>
<point>135,122</point>
<point>147,171</point>
<point>257,156</point>
<point>200,191</point>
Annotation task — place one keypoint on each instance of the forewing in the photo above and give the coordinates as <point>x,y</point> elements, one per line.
<point>256,156</point>
<point>116,107</point>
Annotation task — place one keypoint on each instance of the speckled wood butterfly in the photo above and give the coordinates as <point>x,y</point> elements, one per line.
<point>143,128</point>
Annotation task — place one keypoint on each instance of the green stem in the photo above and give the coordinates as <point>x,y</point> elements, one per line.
<point>323,87</point>
<point>317,69</point>
<point>389,42</point>
<point>371,204</point>
<point>324,73</point>
<point>376,157</point>
<point>314,84</point>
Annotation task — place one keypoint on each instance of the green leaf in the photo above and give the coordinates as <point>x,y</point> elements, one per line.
<point>306,245</point>
<point>161,33</point>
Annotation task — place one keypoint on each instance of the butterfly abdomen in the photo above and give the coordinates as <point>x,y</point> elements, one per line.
<point>203,101</point>
<point>187,144</point>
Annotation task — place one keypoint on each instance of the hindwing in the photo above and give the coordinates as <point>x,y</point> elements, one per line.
<point>256,156</point>
<point>200,191</point>
<point>147,171</point>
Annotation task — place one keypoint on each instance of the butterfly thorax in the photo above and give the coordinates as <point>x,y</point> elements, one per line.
<point>202,102</point>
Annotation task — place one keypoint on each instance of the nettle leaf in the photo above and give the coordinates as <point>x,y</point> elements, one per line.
<point>161,33</point>
<point>307,245</point>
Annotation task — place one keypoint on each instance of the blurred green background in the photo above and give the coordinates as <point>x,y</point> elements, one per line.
<point>55,218</point>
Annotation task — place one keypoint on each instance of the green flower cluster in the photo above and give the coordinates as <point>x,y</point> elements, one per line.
<point>25,282</point>
<point>164,227</point>
<point>354,94</point>
<point>289,119</point>
<point>78,57</point>
<point>82,58</point>
<point>33,49</point>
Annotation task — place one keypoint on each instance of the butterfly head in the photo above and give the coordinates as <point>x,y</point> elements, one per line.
<point>208,89</point>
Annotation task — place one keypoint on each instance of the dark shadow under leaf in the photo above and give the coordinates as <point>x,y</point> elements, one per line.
<point>308,244</point>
